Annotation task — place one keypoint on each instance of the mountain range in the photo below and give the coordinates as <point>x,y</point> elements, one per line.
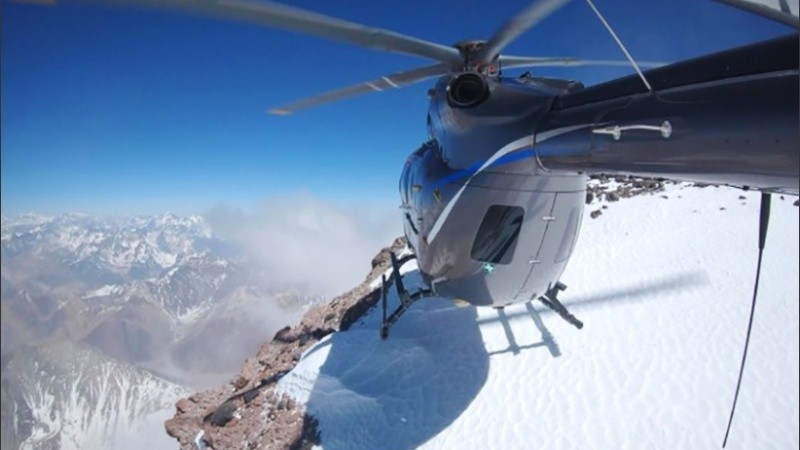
<point>107,321</point>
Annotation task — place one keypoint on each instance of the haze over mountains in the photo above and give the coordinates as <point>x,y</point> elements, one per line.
<point>107,321</point>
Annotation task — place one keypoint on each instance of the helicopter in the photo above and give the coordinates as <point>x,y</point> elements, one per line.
<point>492,203</point>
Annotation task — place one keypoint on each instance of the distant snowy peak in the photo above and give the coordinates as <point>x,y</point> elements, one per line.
<point>108,290</point>
<point>12,225</point>
<point>63,395</point>
<point>185,292</point>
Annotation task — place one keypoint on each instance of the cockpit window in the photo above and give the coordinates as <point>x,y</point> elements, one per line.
<point>497,235</point>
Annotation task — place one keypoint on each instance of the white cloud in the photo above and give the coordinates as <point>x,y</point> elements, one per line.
<point>307,244</point>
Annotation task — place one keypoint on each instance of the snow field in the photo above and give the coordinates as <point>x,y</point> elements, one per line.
<point>663,287</point>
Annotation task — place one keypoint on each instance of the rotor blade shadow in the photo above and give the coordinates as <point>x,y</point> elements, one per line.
<point>641,291</point>
<point>630,294</point>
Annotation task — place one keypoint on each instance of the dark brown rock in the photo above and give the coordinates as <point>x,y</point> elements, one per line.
<point>183,405</point>
<point>380,257</point>
<point>240,382</point>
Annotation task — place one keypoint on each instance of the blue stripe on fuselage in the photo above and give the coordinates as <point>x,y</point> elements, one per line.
<point>469,171</point>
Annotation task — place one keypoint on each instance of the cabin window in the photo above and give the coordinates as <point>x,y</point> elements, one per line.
<point>498,234</point>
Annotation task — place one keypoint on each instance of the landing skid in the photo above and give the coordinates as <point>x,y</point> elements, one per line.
<point>550,299</point>
<point>406,299</point>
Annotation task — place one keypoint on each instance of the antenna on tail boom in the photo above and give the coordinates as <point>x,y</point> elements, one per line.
<point>762,237</point>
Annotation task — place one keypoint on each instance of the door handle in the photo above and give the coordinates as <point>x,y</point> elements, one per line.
<point>615,131</point>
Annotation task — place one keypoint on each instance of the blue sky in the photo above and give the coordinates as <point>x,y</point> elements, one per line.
<point>129,111</point>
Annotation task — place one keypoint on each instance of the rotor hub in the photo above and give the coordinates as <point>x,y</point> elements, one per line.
<point>469,49</point>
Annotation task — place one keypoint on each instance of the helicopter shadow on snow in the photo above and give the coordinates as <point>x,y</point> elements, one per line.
<point>400,392</point>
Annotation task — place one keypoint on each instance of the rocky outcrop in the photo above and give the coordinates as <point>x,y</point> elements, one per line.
<point>247,412</point>
<point>600,187</point>
<point>605,188</point>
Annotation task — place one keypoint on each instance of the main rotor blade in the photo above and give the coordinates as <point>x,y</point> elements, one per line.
<point>395,80</point>
<point>524,20</point>
<point>782,12</point>
<point>275,15</point>
<point>510,62</point>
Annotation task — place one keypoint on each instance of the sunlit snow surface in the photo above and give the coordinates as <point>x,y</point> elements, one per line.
<point>664,289</point>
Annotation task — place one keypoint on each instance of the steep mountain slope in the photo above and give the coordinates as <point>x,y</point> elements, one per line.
<point>62,395</point>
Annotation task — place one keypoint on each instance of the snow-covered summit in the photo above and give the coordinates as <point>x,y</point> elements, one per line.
<point>662,283</point>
